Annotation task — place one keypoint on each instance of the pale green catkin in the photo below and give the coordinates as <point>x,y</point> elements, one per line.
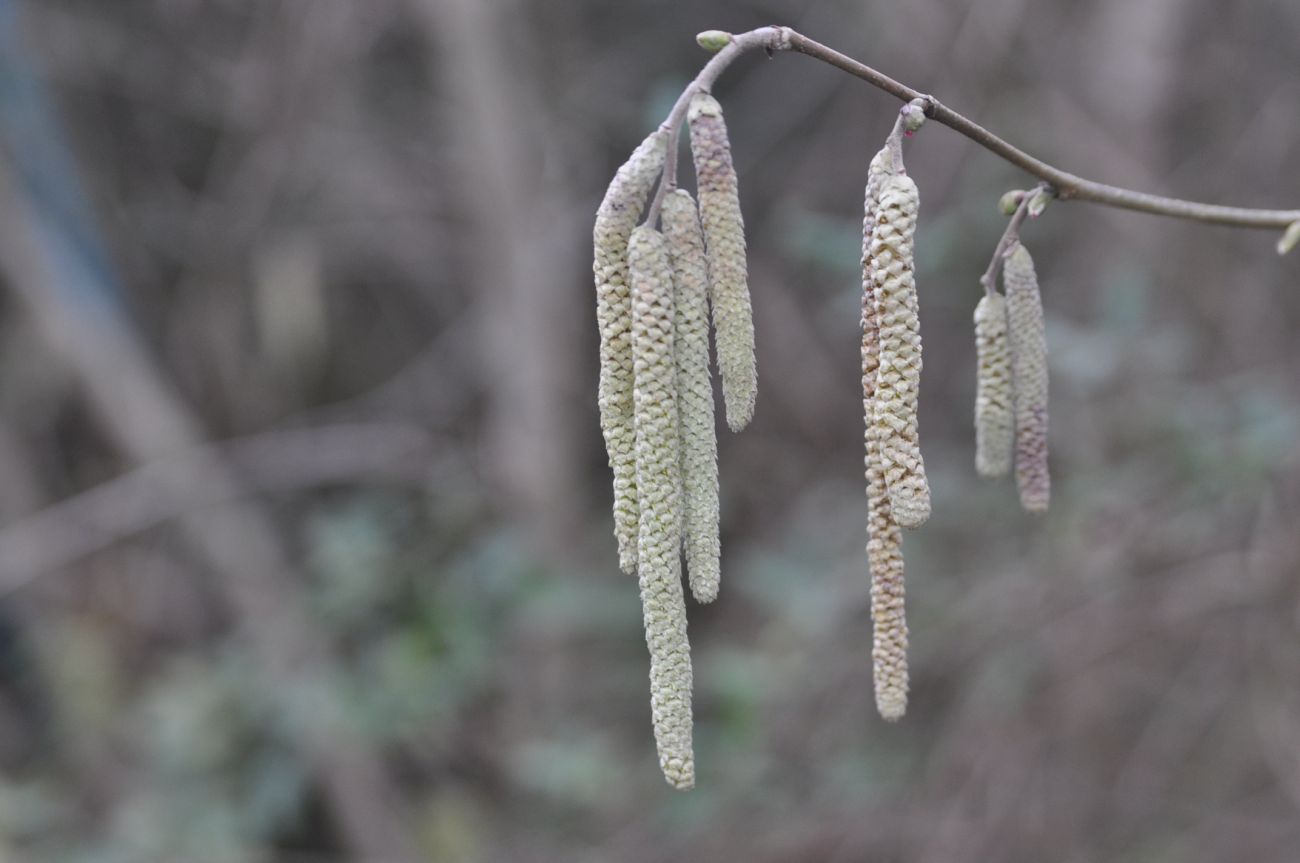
<point>884,538</point>
<point>898,379</point>
<point>724,236</point>
<point>994,420</point>
<point>618,214</point>
<point>658,484</point>
<point>699,442</point>
<point>1029,377</point>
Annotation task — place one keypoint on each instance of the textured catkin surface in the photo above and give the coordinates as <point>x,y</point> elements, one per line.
<point>615,219</point>
<point>994,424</point>
<point>1029,377</point>
<point>699,442</point>
<point>724,237</point>
<point>899,375</point>
<point>884,538</point>
<point>658,482</point>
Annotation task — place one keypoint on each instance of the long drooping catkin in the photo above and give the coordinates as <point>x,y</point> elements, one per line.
<point>724,236</point>
<point>899,376</point>
<point>994,424</point>
<point>884,538</point>
<point>699,442</point>
<point>1029,377</point>
<point>617,216</point>
<point>658,486</point>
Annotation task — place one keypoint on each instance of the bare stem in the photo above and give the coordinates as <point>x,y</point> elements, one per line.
<point>1009,238</point>
<point>770,38</point>
<point>1063,185</point>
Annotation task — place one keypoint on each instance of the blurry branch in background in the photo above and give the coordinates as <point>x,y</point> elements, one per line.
<point>48,256</point>
<point>156,492</point>
<point>237,541</point>
<point>527,224</point>
<point>1063,185</point>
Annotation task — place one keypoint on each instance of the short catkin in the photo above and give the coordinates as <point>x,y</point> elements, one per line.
<point>699,442</point>
<point>724,237</point>
<point>994,421</point>
<point>898,378</point>
<point>658,483</point>
<point>618,214</point>
<point>1029,377</point>
<point>884,538</point>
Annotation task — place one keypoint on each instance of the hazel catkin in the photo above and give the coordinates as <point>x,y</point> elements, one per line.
<point>884,538</point>
<point>994,423</point>
<point>724,238</point>
<point>699,442</point>
<point>658,484</point>
<point>898,378</point>
<point>1029,377</point>
<point>617,216</point>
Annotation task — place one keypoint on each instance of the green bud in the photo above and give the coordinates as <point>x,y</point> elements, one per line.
<point>713,40</point>
<point>1010,202</point>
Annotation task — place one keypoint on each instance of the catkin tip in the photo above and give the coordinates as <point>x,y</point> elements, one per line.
<point>891,709</point>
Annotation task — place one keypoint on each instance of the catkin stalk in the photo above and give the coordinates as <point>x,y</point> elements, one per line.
<point>658,484</point>
<point>699,442</point>
<point>1029,377</point>
<point>724,236</point>
<point>884,538</point>
<point>899,376</point>
<point>994,422</point>
<point>618,214</point>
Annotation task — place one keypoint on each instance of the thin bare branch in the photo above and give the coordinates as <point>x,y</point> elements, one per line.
<point>1064,185</point>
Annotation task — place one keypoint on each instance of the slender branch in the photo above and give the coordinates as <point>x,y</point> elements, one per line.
<point>1009,236</point>
<point>1063,185</point>
<point>764,37</point>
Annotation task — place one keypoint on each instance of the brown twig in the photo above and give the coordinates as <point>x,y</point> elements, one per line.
<point>1063,185</point>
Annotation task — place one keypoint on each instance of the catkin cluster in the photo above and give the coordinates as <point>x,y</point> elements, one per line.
<point>1029,377</point>
<point>657,291</point>
<point>1011,379</point>
<point>654,293</point>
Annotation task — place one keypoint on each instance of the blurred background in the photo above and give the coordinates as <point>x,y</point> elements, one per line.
<point>305,542</point>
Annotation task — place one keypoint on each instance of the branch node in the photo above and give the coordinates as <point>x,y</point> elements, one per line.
<point>1038,200</point>
<point>912,116</point>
